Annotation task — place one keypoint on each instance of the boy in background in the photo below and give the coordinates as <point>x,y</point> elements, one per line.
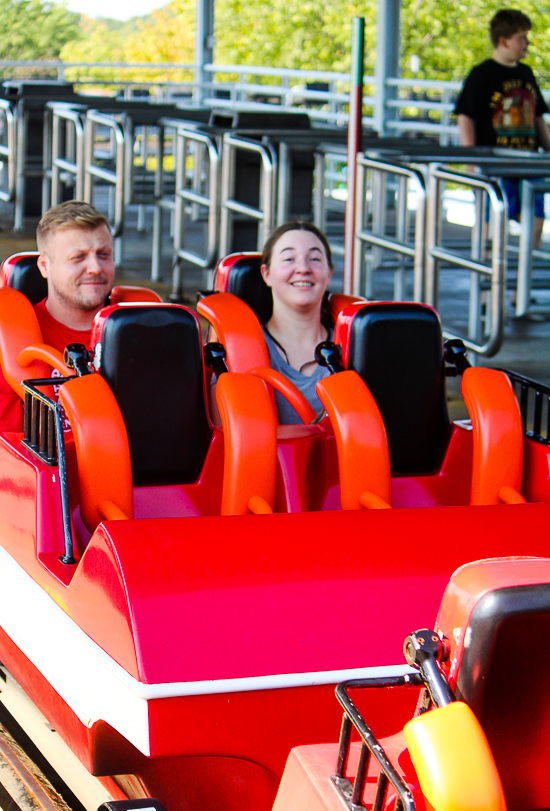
<point>501,104</point>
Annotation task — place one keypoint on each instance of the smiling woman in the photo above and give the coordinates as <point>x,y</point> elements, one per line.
<point>297,266</point>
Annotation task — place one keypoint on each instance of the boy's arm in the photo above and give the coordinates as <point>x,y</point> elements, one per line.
<point>467,130</point>
<point>543,132</point>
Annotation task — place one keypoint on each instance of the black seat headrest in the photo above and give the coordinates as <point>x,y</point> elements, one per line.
<point>397,349</point>
<point>246,282</point>
<point>151,356</point>
<point>503,677</point>
<point>23,275</point>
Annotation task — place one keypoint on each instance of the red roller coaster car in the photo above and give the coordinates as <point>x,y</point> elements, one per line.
<point>180,600</point>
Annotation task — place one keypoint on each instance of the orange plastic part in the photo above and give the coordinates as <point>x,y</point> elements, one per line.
<point>237,328</point>
<point>370,501</point>
<point>110,512</point>
<point>102,450</point>
<point>453,761</point>
<point>305,411</point>
<point>19,328</point>
<point>128,292</point>
<point>497,434</point>
<point>259,506</point>
<point>45,353</point>
<point>338,301</point>
<point>361,442</point>
<point>250,442</point>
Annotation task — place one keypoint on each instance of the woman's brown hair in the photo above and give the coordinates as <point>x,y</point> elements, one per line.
<point>294,225</point>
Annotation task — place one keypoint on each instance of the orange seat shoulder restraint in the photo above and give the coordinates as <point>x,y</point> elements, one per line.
<point>363,455</point>
<point>454,763</point>
<point>128,292</point>
<point>497,436</point>
<point>102,450</point>
<point>19,328</point>
<point>250,442</point>
<point>237,328</point>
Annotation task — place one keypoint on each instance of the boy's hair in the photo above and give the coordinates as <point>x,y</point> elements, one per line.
<point>506,23</point>
<point>71,214</point>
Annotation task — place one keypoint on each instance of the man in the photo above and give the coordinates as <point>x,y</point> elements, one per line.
<point>76,259</point>
<point>501,104</point>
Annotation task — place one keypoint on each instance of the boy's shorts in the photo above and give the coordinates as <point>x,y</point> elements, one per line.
<point>512,188</point>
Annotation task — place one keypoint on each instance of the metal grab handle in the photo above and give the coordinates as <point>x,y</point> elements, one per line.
<point>8,150</point>
<point>115,178</point>
<point>266,213</point>
<point>398,245</point>
<point>496,271</point>
<point>209,201</point>
<point>77,168</point>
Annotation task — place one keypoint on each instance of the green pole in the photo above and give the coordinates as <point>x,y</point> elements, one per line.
<point>354,144</point>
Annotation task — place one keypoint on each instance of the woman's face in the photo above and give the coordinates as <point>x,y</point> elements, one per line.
<point>298,273</point>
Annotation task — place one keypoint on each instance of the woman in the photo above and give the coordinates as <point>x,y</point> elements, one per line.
<point>297,266</point>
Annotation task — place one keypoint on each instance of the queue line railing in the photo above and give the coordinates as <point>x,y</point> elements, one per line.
<point>64,152</point>
<point>493,271</point>
<point>192,200</point>
<point>114,177</point>
<point>264,214</point>
<point>370,225</point>
<point>7,149</point>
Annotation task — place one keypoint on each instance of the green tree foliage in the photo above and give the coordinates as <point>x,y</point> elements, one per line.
<point>448,38</point>
<point>291,33</point>
<point>166,35</point>
<point>34,30</point>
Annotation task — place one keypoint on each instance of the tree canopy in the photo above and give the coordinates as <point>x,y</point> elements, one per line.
<point>32,29</point>
<point>447,39</point>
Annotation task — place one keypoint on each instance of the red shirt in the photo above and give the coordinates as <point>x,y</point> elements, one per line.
<point>55,334</point>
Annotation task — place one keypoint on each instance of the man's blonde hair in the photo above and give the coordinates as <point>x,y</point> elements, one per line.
<point>71,214</point>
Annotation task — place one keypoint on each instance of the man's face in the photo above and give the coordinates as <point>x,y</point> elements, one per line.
<point>79,267</point>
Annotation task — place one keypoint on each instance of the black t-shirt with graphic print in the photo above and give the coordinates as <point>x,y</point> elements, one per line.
<point>503,103</point>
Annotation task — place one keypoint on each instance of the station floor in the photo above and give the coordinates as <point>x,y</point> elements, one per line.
<point>525,348</point>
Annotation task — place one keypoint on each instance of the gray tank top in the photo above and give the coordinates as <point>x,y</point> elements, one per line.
<point>305,383</point>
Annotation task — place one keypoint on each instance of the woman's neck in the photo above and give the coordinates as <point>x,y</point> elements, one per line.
<point>298,334</point>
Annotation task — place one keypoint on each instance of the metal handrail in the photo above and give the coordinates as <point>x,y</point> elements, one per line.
<point>8,150</point>
<point>116,178</point>
<point>496,271</point>
<point>526,251</point>
<point>265,215</point>
<point>209,201</point>
<point>57,163</point>
<point>43,431</point>
<point>352,793</point>
<point>400,244</point>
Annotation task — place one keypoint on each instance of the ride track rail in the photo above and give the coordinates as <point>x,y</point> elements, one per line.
<point>38,772</point>
<point>23,784</point>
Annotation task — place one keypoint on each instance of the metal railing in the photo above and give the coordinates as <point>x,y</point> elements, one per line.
<point>64,153</point>
<point>534,403</point>
<point>258,87</point>
<point>203,145</point>
<point>375,235</point>
<point>436,253</point>
<point>265,213</point>
<point>7,149</point>
<point>115,178</point>
<point>526,250</point>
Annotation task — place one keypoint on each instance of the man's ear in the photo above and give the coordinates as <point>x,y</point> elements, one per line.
<point>42,263</point>
<point>264,270</point>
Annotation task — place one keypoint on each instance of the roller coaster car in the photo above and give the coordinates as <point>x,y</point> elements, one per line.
<point>176,602</point>
<point>478,737</point>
